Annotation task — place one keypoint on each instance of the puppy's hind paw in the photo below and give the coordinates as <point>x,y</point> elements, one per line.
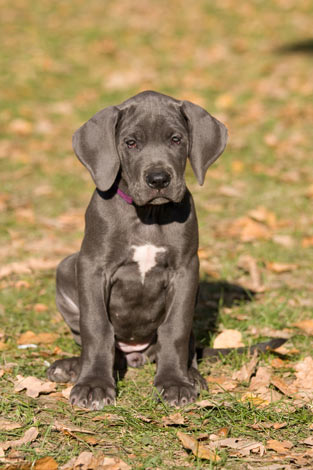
<point>64,370</point>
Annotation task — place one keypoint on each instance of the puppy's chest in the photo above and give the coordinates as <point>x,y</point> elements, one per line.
<point>143,260</point>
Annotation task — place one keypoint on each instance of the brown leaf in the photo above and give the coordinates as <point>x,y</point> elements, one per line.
<point>262,426</point>
<point>26,267</point>
<point>248,230</point>
<point>67,391</point>
<point>304,374</point>
<point>197,448</point>
<point>281,447</point>
<point>249,264</point>
<point>245,372</point>
<point>21,127</point>
<point>242,446</point>
<point>228,339</point>
<point>308,441</point>
<point>281,267</point>
<point>261,380</point>
<point>3,346</point>
<point>305,325</point>
<point>309,192</point>
<point>255,400</point>
<point>58,426</point>
<point>286,389</point>
<point>307,242</point>
<point>33,386</point>
<point>230,191</point>
<point>284,240</point>
<point>278,363</point>
<point>40,308</point>
<point>29,436</point>
<point>173,420</point>
<point>29,337</point>
<point>222,383</point>
<point>222,432</point>
<point>205,404</point>
<point>88,461</point>
<point>46,463</point>
<point>6,425</point>
<point>261,214</point>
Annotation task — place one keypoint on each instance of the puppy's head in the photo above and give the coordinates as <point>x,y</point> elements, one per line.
<point>147,139</point>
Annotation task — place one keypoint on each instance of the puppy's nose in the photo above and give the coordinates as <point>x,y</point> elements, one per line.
<point>158,179</point>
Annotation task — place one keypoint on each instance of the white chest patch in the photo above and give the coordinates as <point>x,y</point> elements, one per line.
<point>145,255</point>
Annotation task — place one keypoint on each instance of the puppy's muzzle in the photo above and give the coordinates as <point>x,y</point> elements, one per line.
<point>158,179</point>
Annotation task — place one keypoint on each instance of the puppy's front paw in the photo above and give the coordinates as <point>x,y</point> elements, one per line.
<point>178,393</point>
<point>92,395</point>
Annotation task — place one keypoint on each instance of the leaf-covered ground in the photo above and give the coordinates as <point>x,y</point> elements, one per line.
<point>250,65</point>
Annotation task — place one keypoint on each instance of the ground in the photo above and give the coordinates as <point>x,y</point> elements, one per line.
<point>249,64</point>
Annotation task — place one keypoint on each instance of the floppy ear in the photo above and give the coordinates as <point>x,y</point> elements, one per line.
<point>208,138</point>
<point>94,145</point>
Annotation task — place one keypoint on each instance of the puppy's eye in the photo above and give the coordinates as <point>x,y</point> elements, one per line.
<point>176,139</point>
<point>131,143</point>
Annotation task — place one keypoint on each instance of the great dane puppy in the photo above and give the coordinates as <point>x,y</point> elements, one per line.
<point>130,292</point>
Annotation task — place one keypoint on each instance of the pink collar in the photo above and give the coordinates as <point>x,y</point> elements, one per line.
<point>115,190</point>
<point>124,196</point>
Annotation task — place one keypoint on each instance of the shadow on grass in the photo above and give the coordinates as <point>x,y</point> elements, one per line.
<point>299,47</point>
<point>212,296</point>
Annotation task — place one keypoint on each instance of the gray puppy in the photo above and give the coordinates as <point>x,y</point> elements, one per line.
<point>130,293</point>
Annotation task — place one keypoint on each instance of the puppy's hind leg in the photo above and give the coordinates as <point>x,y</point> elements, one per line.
<point>67,370</point>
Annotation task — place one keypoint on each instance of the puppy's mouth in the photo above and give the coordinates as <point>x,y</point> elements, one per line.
<point>157,197</point>
<point>159,200</point>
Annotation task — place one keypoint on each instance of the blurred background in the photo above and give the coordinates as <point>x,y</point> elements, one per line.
<point>248,63</point>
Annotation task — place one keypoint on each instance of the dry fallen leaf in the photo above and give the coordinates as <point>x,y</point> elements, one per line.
<point>3,346</point>
<point>261,380</point>
<point>26,267</point>
<point>198,449</point>
<point>67,391</point>
<point>255,400</point>
<point>249,264</point>
<point>304,374</point>
<point>29,337</point>
<point>204,404</point>
<point>281,447</point>
<point>228,339</point>
<point>261,214</point>
<point>220,384</point>
<point>21,127</point>
<point>88,461</point>
<point>245,372</point>
<point>281,267</point>
<point>173,420</point>
<point>58,426</point>
<point>40,308</point>
<point>240,445</point>
<point>305,325</point>
<point>46,463</point>
<point>33,386</point>
<point>262,426</point>
<point>248,230</point>
<point>29,436</point>
<point>307,242</point>
<point>308,441</point>
<point>285,388</point>
<point>6,425</point>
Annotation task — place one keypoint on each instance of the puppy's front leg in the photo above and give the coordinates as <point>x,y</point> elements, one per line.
<point>95,386</point>
<point>176,380</point>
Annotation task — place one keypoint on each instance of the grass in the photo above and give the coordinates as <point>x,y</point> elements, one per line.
<point>62,62</point>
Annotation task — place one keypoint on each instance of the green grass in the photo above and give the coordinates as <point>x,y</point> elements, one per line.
<point>62,62</point>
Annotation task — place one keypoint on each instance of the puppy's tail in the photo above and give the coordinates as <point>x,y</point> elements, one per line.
<point>214,353</point>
